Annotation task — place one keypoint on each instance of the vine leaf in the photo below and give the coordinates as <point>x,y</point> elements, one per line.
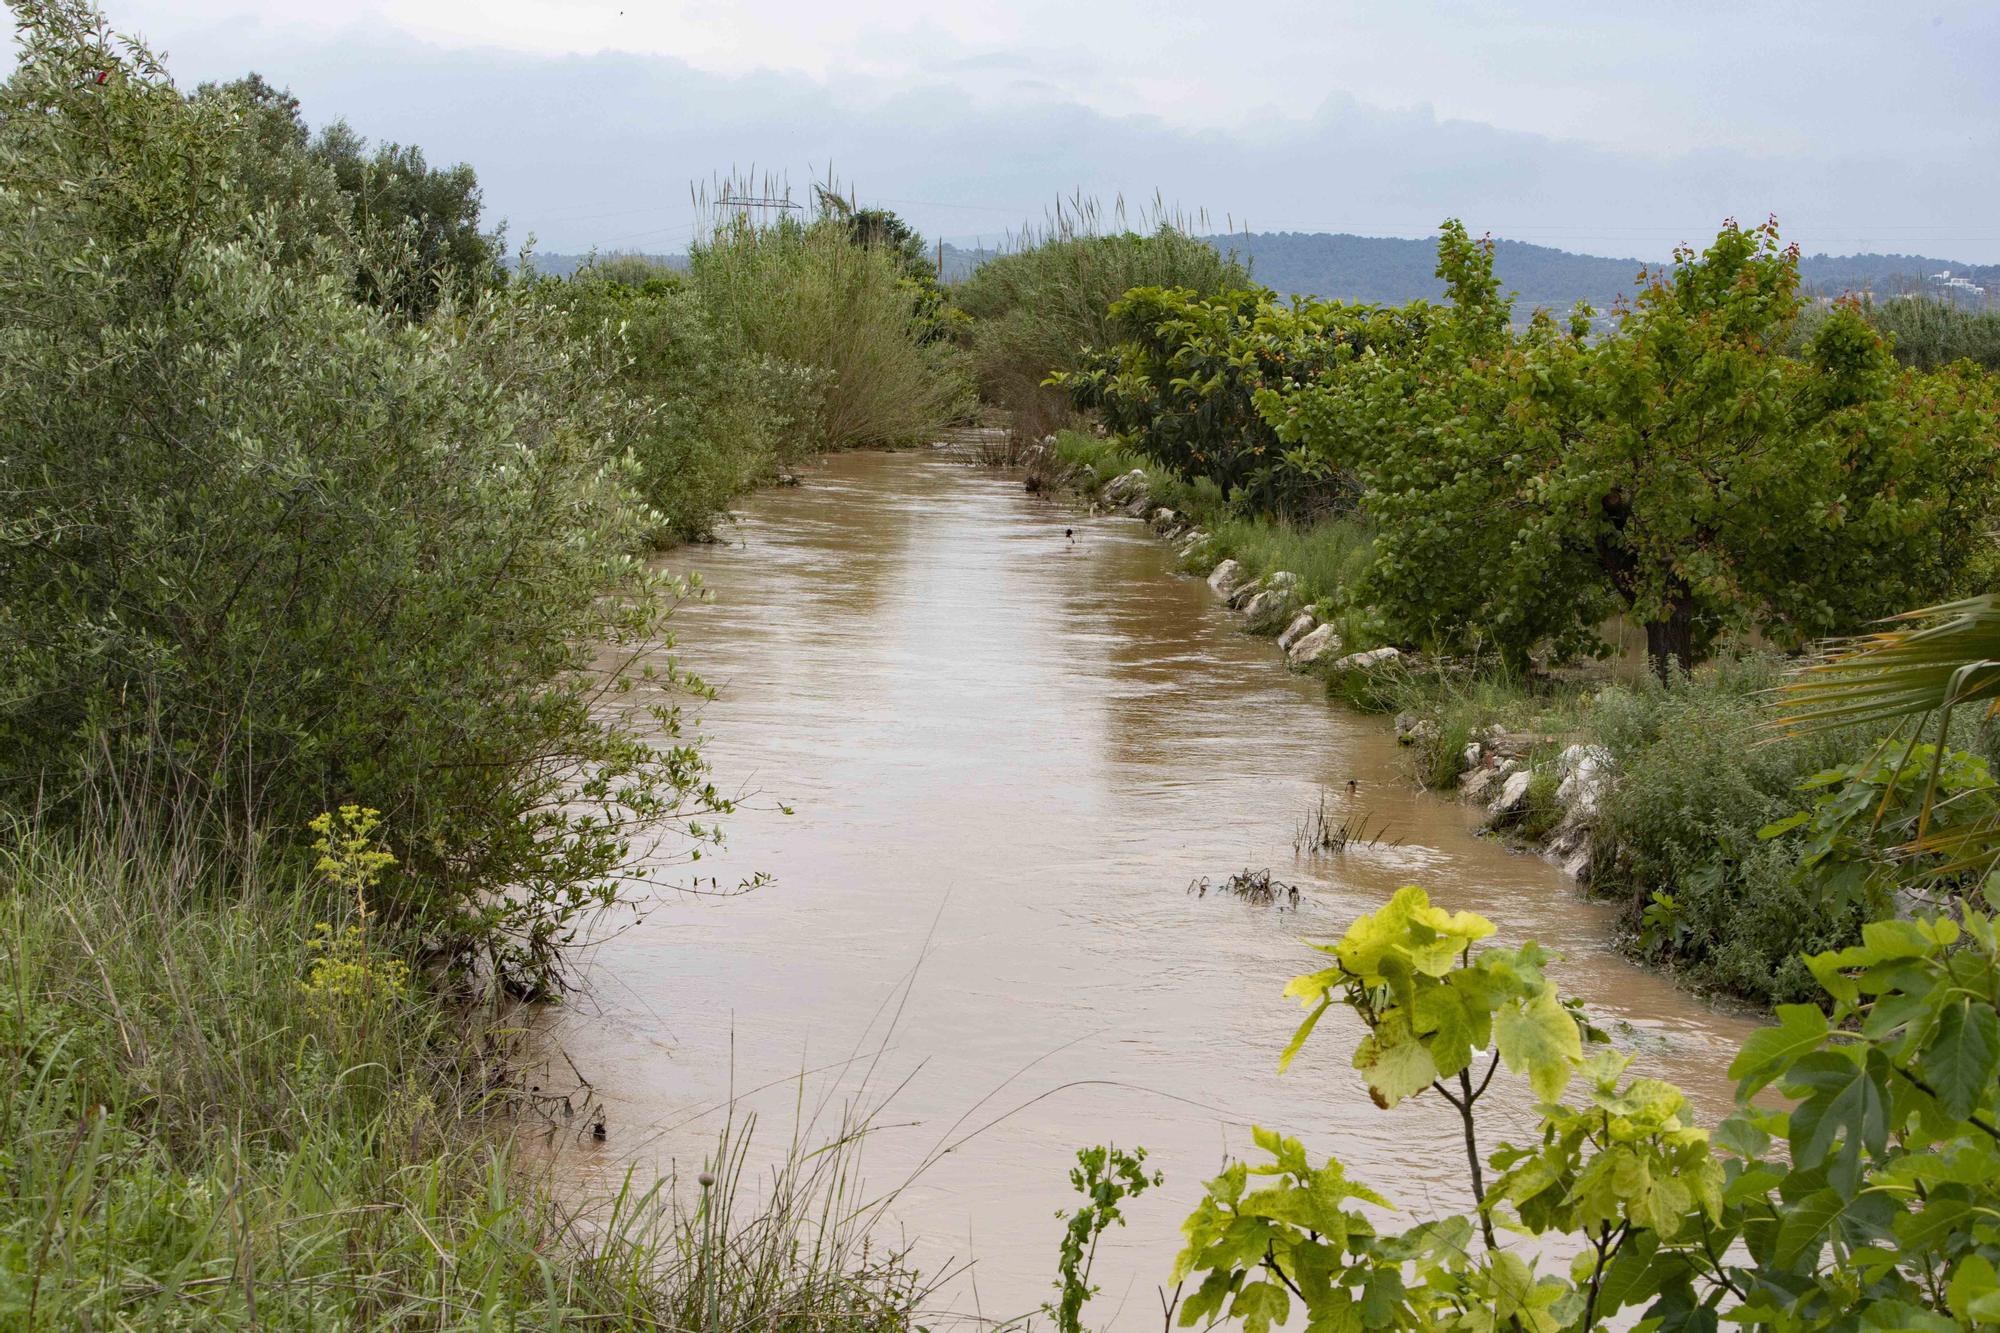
<point>1540,1039</point>
<point>1964,1056</point>
<point>1394,1062</point>
<point>1801,1029</point>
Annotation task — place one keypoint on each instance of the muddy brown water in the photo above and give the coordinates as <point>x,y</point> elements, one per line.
<point>1008,753</point>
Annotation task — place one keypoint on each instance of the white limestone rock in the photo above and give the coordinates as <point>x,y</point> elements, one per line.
<point>1586,778</point>
<point>1374,657</point>
<point>1513,797</point>
<point>1263,612</point>
<point>1302,624</point>
<point>1310,647</point>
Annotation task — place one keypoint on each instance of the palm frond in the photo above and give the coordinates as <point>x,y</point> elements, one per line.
<point>1934,660</point>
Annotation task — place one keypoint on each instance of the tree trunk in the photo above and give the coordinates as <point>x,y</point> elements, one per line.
<point>1671,640</point>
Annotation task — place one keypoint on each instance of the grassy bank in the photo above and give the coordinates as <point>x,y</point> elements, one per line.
<point>1328,556</point>
<point>229,1099</point>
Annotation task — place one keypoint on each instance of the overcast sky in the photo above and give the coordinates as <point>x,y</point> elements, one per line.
<point>1614,127</point>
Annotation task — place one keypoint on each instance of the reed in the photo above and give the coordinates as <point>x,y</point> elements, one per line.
<point>1042,304</point>
<point>796,287</point>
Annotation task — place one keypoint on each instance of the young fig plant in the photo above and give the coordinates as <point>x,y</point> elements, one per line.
<point>1881,1210</point>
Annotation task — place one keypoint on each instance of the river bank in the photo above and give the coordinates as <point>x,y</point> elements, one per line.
<point>228,1101</point>
<point>1651,796</point>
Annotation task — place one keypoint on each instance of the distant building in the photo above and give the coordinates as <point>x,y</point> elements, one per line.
<point>1950,288</point>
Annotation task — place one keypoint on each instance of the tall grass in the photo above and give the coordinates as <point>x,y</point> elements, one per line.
<point>1039,308</point>
<point>1928,333</point>
<point>206,1123</point>
<point>807,293</point>
<point>1329,556</point>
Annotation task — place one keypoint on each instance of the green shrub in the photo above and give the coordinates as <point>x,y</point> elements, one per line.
<point>810,294</point>
<point>1040,309</point>
<point>274,550</point>
<point>1928,334</point>
<point>1699,774</point>
<point>708,419</point>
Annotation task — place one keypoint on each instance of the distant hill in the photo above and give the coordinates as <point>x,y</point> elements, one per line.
<point>556,265</point>
<point>1391,271</point>
<point>1892,275</point>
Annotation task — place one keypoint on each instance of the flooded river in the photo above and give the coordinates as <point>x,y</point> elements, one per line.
<point>1008,753</point>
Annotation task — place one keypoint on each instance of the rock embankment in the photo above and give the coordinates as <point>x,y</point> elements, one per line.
<point>1271,605</point>
<point>1528,789</point>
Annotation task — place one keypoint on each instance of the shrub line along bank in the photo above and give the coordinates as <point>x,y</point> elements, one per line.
<point>1655,794</point>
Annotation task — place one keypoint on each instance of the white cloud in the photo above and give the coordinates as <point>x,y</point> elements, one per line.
<point>1615,127</point>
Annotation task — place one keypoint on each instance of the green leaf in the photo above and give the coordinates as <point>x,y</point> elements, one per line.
<point>1448,1029</point>
<point>1540,1039</point>
<point>1931,1228</point>
<point>1803,1226</point>
<point>1260,1305</point>
<point>1844,1100</point>
<point>1394,1062</point>
<point>1972,1281</point>
<point>1784,826</point>
<point>1740,1135</point>
<point>1963,1056</point>
<point>1770,1051</point>
<point>1305,1030</point>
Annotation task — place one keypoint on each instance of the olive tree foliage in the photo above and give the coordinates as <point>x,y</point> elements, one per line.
<point>269,549</point>
<point>415,227</point>
<point>717,418</point>
<point>418,225</point>
<point>1683,469</point>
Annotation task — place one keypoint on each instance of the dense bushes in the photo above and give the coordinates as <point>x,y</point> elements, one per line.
<point>275,549</point>
<point>1685,470</point>
<point>1184,382</point>
<point>1700,776</point>
<point>810,294</point>
<point>1041,308</point>
<point>709,419</point>
<point>1926,333</point>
